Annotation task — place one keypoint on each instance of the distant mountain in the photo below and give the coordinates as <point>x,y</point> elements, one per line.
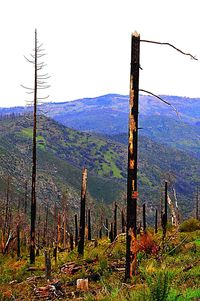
<point>62,152</point>
<point>108,115</point>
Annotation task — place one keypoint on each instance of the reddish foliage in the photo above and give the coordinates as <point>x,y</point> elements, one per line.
<point>147,244</point>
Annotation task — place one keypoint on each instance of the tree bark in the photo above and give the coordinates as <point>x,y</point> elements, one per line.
<point>33,186</point>
<point>132,192</point>
<point>82,213</point>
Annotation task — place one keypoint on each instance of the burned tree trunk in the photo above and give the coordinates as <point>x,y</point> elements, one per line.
<point>115,221</point>
<point>33,186</point>
<point>164,215</point>
<point>111,234</point>
<point>39,83</point>
<point>82,213</point>
<point>123,221</point>
<point>132,192</point>
<point>144,217</point>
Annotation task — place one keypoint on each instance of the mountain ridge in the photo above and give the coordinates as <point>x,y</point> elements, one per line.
<point>58,146</point>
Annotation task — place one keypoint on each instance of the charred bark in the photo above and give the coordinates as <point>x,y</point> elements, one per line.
<point>132,192</point>
<point>82,213</point>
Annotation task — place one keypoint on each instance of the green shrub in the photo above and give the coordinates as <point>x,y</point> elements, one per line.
<point>190,225</point>
<point>158,285</point>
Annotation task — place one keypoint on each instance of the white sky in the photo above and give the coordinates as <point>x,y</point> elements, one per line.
<point>88,46</point>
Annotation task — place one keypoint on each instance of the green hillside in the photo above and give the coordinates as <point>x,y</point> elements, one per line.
<point>55,173</point>
<point>62,152</point>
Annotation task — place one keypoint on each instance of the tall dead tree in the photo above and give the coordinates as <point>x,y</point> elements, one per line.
<point>111,234</point>
<point>39,84</point>
<point>123,221</point>
<point>82,213</point>
<point>164,215</point>
<point>132,192</point>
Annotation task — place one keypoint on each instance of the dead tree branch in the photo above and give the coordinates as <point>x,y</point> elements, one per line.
<point>168,44</point>
<point>166,102</point>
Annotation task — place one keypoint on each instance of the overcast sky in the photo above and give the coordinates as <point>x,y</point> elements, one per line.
<point>88,46</point>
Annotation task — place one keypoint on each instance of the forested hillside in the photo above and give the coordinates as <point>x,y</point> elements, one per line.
<point>63,152</point>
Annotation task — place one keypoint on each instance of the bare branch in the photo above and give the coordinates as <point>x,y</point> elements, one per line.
<point>43,87</point>
<point>32,62</point>
<point>39,77</point>
<point>27,87</point>
<point>44,97</point>
<point>168,44</point>
<point>41,55</point>
<point>166,102</point>
<point>31,92</point>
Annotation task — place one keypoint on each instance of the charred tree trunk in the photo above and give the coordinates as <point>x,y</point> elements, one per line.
<point>82,213</point>
<point>132,192</point>
<point>123,221</point>
<point>144,217</point>
<point>33,186</point>
<point>89,226</point>
<point>164,215</point>
<point>115,221</point>
<point>156,221</point>
<point>55,254</point>
<point>76,230</point>
<point>111,235</point>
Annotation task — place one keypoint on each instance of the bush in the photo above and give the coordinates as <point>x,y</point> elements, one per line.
<point>190,225</point>
<point>159,286</point>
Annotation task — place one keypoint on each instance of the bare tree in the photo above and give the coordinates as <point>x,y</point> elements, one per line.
<point>39,84</point>
<point>82,213</point>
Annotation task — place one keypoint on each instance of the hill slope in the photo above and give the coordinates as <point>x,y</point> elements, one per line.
<point>55,173</point>
<point>62,152</point>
